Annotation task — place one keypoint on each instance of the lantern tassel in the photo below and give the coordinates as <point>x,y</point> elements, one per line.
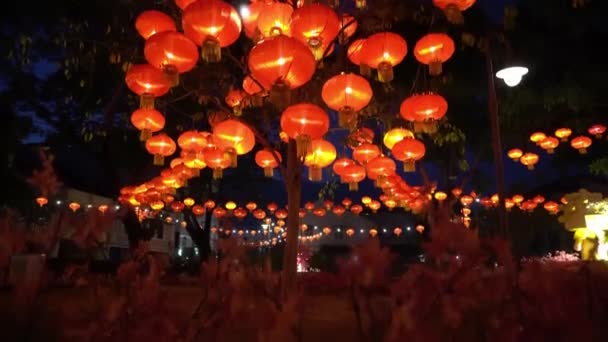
<point>159,160</point>
<point>453,14</point>
<point>171,74</point>
<point>409,166</point>
<point>315,174</point>
<point>385,72</point>
<point>268,172</point>
<point>218,173</point>
<point>353,186</point>
<point>145,134</point>
<point>347,118</point>
<point>146,101</point>
<point>435,68</point>
<point>211,52</point>
<point>280,94</point>
<point>304,145</point>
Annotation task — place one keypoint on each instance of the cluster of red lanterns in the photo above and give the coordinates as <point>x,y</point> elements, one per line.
<point>550,143</point>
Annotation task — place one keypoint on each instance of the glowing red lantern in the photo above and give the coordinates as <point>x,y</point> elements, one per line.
<point>322,154</point>
<point>353,174</point>
<point>268,161</point>
<point>147,82</point>
<point>212,24</point>
<point>409,151</point>
<point>597,130</point>
<point>148,121</point>
<point>172,52</point>
<point>365,152</point>
<point>424,110</point>
<point>151,22</point>
<point>434,49</point>
<point>161,146</point>
<point>453,9</point>
<point>383,51</point>
<point>347,94</point>
<point>581,143</point>
<point>304,122</point>
<point>316,25</point>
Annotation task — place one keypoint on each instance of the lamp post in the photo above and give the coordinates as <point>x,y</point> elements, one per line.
<point>512,76</point>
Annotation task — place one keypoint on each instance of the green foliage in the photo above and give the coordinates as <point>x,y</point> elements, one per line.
<point>329,190</point>
<point>599,167</point>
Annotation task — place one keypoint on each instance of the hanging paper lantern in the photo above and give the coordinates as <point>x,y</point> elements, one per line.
<point>440,196</point>
<point>515,154</point>
<point>549,144</point>
<point>219,212</point>
<point>198,210</point>
<point>240,213</point>
<point>597,130</point>
<point>338,210</point>
<point>395,135</point>
<point>319,212</point>
<point>380,168</point>
<point>346,202</point>
<point>509,203</point>
<point>581,143</point>
<point>551,207</point>
<point>157,205</point>
<point>150,22</point>
<point>434,49</point>
<point>217,160</point>
<point>161,146</point>
<point>326,230</point>
<point>147,82</point>
<point>340,164</point>
<point>171,52</point>
<point>274,19</point>
<point>453,9</point>
<point>365,152</point>
<point>268,161</point>
<point>409,151</point>
<point>235,137</point>
<point>280,64</point>
<point>272,207</point>
<point>148,121</point>
<point>424,110</point>
<point>356,209</point>
<point>537,137</point>
<point>177,206</point>
<point>304,122</point>
<point>249,16</point>
<point>42,201</point>
<point>211,24</point>
<point>456,192</point>
<point>466,200</point>
<point>383,51</point>
<point>189,201</point>
<point>209,204</point>
<point>353,174</point>
<point>518,199</point>
<point>348,25</point>
<point>354,54</point>
<point>316,25</point>
<point>322,154</point>
<point>230,205</point>
<point>259,214</point>
<point>529,160</point>
<point>347,94</point>
<point>397,231</point>
<point>563,133</point>
<point>234,99</point>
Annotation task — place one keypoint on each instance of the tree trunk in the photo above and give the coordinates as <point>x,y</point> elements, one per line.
<point>199,235</point>
<point>293,181</point>
<point>496,143</point>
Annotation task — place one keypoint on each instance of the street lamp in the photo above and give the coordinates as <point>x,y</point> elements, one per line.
<point>512,76</point>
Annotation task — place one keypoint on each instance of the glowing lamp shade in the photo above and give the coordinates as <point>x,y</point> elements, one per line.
<point>353,174</point>
<point>529,160</point>
<point>151,22</point>
<point>453,9</point>
<point>515,154</point>
<point>235,137</point>
<point>217,160</point>
<point>409,150</point>
<point>380,168</point>
<point>340,164</point>
<point>597,130</point>
<point>537,137</point>
<point>424,110</point>
<point>512,76</point>
<point>563,133</point>
<point>365,152</point>
<point>581,143</point>
<point>549,144</point>
<point>192,141</point>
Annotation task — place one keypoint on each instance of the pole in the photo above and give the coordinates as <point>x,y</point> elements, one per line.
<point>294,196</point>
<point>496,142</point>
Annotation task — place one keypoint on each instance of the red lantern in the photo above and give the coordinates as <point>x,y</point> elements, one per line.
<point>365,152</point>
<point>353,174</point>
<point>379,168</point>
<point>211,24</point>
<point>529,160</point>
<point>274,19</point>
<point>549,144</point>
<point>354,54</point>
<point>304,122</point>
<point>259,214</point>
<point>321,155</point>
<point>434,49</point>
<point>281,63</point>
<point>160,146</point>
<point>217,160</point>
<point>267,161</point>
<point>147,82</point>
<point>424,110</point>
<point>316,25</point>
<point>177,206</point>
<point>148,121</point>
<point>347,94</point>
<point>563,133</point>
<point>151,22</point>
<point>453,9</point>
<point>383,51</point>
<point>356,209</point>
<point>198,210</point>
<point>340,164</point>
<point>409,151</point>
<point>597,130</point>
<point>235,137</point>
<point>172,52</point>
<point>581,143</point>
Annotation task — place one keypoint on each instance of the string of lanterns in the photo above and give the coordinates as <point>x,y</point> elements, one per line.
<point>550,143</point>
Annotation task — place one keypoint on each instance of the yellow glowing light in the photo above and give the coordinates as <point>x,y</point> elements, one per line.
<point>230,205</point>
